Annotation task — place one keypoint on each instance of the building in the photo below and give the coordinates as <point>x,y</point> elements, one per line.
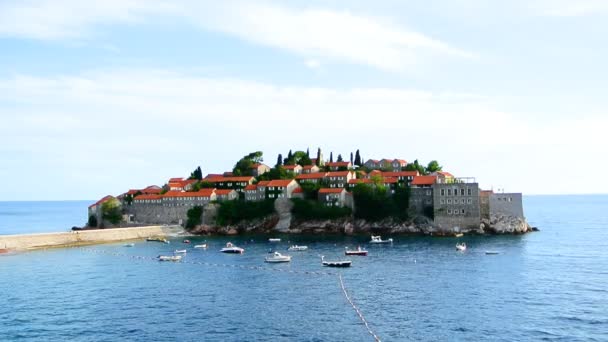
<point>385,164</point>
<point>333,197</point>
<point>259,169</point>
<point>234,183</point>
<point>457,204</point>
<point>403,177</point>
<point>310,169</point>
<point>506,204</point>
<point>315,178</point>
<point>191,199</point>
<point>484,203</point>
<point>421,201</point>
<point>95,208</point>
<point>444,177</point>
<point>339,179</point>
<point>353,182</point>
<point>423,181</point>
<point>296,169</point>
<point>372,164</point>
<point>282,188</point>
<point>339,166</point>
<point>298,193</point>
<point>251,193</point>
<point>226,194</point>
<point>148,199</point>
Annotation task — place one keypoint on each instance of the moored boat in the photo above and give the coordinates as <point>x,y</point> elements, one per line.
<point>180,251</point>
<point>169,257</point>
<point>458,235</point>
<point>274,240</point>
<point>297,248</point>
<point>157,239</point>
<point>129,245</point>
<point>359,251</point>
<point>230,248</point>
<point>201,246</point>
<point>492,252</point>
<point>186,241</point>
<point>335,263</point>
<point>378,240</point>
<point>277,257</point>
<point>461,247</point>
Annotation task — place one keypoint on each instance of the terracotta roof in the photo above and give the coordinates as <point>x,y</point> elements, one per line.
<point>446,174</point>
<point>152,191</point>
<point>400,174</point>
<point>108,197</point>
<point>375,172</point>
<point>251,187</point>
<point>298,191</point>
<point>316,175</point>
<point>132,192</point>
<point>200,193</point>
<point>401,161</point>
<point>214,175</point>
<point>205,192</point>
<point>229,179</point>
<point>308,167</point>
<point>263,183</point>
<point>338,164</point>
<point>360,181</point>
<point>148,197</point>
<point>337,174</point>
<point>424,180</point>
<point>220,192</point>
<point>153,187</point>
<point>290,167</point>
<point>281,183</point>
<point>172,180</point>
<point>331,190</point>
<point>176,185</point>
<point>256,165</point>
<point>389,180</point>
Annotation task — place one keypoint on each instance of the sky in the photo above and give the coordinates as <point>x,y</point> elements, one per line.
<point>98,99</point>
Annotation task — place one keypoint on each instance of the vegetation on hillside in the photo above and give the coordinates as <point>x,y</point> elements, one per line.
<point>313,210</point>
<point>373,203</point>
<point>235,211</point>
<point>110,211</point>
<point>195,216</point>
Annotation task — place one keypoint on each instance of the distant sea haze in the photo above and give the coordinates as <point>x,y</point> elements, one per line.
<point>547,285</point>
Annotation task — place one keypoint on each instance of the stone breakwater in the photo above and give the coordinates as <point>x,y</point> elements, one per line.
<point>84,237</point>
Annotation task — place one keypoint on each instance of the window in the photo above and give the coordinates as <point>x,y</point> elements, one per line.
<point>469,192</point>
<point>469,201</point>
<point>428,192</point>
<point>449,201</point>
<point>455,192</point>
<point>449,211</point>
<point>462,192</point>
<point>449,192</point>
<point>462,211</point>
<point>442,201</point>
<point>462,201</point>
<point>510,199</point>
<point>442,192</point>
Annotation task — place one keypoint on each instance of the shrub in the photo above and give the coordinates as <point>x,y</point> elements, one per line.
<point>110,211</point>
<point>311,210</point>
<point>92,221</point>
<point>194,217</point>
<point>232,212</point>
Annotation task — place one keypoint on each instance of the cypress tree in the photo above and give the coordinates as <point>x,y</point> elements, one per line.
<point>318,157</point>
<point>280,160</point>
<point>331,157</point>
<point>289,157</point>
<point>308,152</point>
<point>357,158</point>
<point>352,160</point>
<point>340,159</point>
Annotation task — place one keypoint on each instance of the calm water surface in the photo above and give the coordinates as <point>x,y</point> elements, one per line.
<point>546,286</point>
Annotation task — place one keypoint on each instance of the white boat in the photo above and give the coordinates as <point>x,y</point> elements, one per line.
<point>180,251</point>
<point>297,248</point>
<point>461,247</point>
<point>169,257</point>
<point>359,251</point>
<point>278,257</point>
<point>230,248</point>
<point>378,240</point>
<point>335,263</point>
<point>130,245</point>
<point>274,240</point>
<point>203,246</point>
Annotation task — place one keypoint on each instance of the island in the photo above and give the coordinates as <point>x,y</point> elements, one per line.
<point>300,194</point>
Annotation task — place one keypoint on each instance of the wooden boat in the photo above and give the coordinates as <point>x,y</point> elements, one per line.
<point>274,240</point>
<point>201,246</point>
<point>297,248</point>
<point>336,263</point>
<point>169,257</point>
<point>378,240</point>
<point>359,251</point>
<point>180,251</point>
<point>277,257</point>
<point>461,247</point>
<point>230,248</point>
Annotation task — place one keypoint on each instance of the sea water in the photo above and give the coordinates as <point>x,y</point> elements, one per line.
<point>545,286</point>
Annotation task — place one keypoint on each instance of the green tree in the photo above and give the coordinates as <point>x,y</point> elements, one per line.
<point>110,211</point>
<point>92,221</point>
<point>318,161</point>
<point>433,167</point>
<point>340,159</point>
<point>195,217</point>
<point>357,158</point>
<point>331,157</point>
<point>244,166</point>
<point>196,174</point>
<point>279,160</point>
<point>415,166</point>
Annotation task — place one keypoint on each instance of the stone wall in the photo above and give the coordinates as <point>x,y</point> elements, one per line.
<point>457,205</point>
<point>507,204</point>
<point>157,214</point>
<point>420,198</point>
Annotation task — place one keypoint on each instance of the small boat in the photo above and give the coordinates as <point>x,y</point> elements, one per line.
<point>336,263</point>
<point>186,241</point>
<point>202,246</point>
<point>359,251</point>
<point>274,240</point>
<point>378,240</point>
<point>277,257</point>
<point>169,257</point>
<point>492,252</point>
<point>461,247</point>
<point>5,251</point>
<point>158,239</point>
<point>297,248</point>
<point>129,245</point>
<point>458,235</point>
<point>230,248</point>
<point>180,251</point>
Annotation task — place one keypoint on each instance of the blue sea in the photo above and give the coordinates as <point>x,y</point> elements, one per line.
<point>550,285</point>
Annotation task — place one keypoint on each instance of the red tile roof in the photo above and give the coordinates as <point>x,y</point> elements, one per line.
<point>331,190</point>
<point>424,180</point>
<point>389,180</point>
<point>172,180</point>
<point>337,174</point>
<point>316,175</point>
<point>338,164</point>
<point>108,197</point>
<point>251,187</point>
<point>263,183</point>
<point>401,161</point>
<point>148,197</point>
<point>298,191</point>
<point>446,174</point>
<point>214,175</point>
<point>400,174</point>
<point>152,191</point>
<point>281,183</point>
<point>200,193</point>
<point>176,185</point>
<point>132,192</point>
<point>290,167</point>
<point>308,167</point>
<point>229,179</point>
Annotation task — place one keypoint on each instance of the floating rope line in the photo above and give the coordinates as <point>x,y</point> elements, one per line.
<point>361,317</point>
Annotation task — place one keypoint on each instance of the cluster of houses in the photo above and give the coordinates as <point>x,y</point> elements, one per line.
<point>441,196</point>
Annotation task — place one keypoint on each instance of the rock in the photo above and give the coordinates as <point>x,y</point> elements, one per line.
<point>349,229</point>
<point>232,231</point>
<point>283,208</point>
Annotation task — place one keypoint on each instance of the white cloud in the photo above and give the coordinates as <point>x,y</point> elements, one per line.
<point>571,8</point>
<point>312,63</point>
<point>130,128</point>
<point>310,32</point>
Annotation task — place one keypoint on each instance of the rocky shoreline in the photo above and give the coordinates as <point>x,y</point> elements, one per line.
<point>419,226</point>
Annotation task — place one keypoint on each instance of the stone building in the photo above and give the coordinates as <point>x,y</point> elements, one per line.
<point>226,194</point>
<point>282,188</point>
<point>314,178</point>
<point>506,204</point>
<point>296,169</point>
<point>259,169</point>
<point>339,179</point>
<point>457,204</point>
<point>310,169</point>
<point>333,197</point>
<point>421,201</point>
